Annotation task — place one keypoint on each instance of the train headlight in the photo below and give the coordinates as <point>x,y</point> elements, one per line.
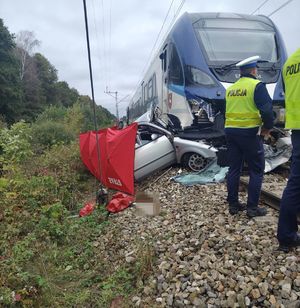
<point>200,78</point>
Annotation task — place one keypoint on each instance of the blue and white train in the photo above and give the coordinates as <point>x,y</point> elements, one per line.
<point>196,63</point>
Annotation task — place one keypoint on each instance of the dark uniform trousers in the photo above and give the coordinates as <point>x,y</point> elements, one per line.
<point>250,149</point>
<point>290,202</point>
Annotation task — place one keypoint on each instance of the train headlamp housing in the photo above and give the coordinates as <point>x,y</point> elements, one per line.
<point>198,77</point>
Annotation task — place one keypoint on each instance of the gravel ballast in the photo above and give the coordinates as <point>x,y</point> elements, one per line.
<point>204,257</point>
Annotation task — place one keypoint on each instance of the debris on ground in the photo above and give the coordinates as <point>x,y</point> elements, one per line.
<point>213,173</point>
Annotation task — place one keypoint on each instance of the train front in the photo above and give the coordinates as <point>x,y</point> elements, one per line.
<point>209,45</point>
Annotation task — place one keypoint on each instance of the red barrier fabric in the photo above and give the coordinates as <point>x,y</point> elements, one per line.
<point>117,148</point>
<point>87,209</point>
<point>119,202</point>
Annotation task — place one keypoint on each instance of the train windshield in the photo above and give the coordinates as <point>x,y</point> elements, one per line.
<point>232,40</point>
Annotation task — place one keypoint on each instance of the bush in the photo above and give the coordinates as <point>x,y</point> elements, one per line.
<point>15,145</point>
<point>52,113</point>
<point>63,164</point>
<point>48,133</point>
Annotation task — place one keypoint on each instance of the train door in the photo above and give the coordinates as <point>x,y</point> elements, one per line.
<point>164,82</point>
<point>177,102</point>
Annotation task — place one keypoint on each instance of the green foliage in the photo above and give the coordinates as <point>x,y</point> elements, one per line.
<point>3,184</point>
<point>22,251</point>
<point>64,95</point>
<point>52,113</point>
<point>15,145</point>
<point>49,133</point>
<point>47,75</point>
<point>10,86</point>
<point>3,124</point>
<point>29,85</point>
<point>5,296</point>
<point>103,117</point>
<point>120,283</point>
<point>74,119</point>
<point>49,256</point>
<point>62,165</point>
<point>50,225</point>
<point>60,125</point>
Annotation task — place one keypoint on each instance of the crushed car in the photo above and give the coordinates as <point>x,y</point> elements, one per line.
<point>157,148</point>
<point>277,149</point>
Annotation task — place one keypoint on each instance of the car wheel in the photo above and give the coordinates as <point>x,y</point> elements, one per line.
<point>194,161</point>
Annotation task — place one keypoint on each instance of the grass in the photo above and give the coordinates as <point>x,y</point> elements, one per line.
<point>77,270</point>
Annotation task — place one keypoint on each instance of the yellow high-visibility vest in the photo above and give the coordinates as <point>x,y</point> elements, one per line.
<point>291,77</point>
<point>241,111</point>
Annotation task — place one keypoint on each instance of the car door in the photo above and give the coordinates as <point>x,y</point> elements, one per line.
<point>154,150</point>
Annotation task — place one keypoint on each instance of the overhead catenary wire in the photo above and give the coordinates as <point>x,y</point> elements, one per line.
<point>154,45</point>
<point>99,56</point>
<point>260,6</point>
<point>151,53</point>
<point>109,45</point>
<point>281,7</point>
<point>175,16</point>
<point>156,40</point>
<point>104,42</point>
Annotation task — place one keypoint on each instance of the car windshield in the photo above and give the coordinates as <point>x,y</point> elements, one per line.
<point>228,41</point>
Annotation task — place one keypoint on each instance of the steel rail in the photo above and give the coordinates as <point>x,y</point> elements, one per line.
<point>268,197</point>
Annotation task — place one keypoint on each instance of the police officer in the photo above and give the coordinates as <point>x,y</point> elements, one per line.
<point>290,203</point>
<point>248,115</point>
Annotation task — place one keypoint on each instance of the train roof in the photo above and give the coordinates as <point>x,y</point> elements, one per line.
<point>194,17</point>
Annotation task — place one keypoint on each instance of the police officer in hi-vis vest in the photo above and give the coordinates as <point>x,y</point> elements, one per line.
<point>249,116</point>
<point>290,203</point>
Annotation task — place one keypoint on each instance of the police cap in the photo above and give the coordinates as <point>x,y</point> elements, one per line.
<point>249,62</point>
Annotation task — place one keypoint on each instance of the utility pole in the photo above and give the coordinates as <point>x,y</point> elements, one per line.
<point>115,96</point>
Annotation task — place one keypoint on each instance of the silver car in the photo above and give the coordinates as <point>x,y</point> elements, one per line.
<point>157,148</point>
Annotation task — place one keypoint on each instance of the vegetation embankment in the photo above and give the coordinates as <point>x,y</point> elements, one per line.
<point>48,255</point>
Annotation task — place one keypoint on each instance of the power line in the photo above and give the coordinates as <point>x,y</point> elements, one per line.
<point>104,42</point>
<point>262,4</point>
<point>150,55</point>
<point>98,53</point>
<point>282,6</point>
<point>175,16</point>
<point>109,48</point>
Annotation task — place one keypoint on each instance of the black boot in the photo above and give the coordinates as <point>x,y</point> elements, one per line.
<point>258,211</point>
<point>285,247</point>
<point>234,208</point>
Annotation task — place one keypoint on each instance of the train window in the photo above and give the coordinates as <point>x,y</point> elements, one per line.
<point>175,69</point>
<point>233,24</point>
<point>145,93</point>
<point>150,88</point>
<point>163,58</point>
<point>233,45</point>
<point>154,86</point>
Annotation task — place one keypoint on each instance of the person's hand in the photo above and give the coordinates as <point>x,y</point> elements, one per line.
<point>265,134</point>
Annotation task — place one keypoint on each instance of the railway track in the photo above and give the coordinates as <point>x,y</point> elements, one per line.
<point>270,193</point>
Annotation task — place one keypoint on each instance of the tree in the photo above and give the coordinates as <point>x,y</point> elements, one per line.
<point>103,117</point>
<point>10,87</point>
<point>32,97</point>
<point>64,95</point>
<point>25,44</point>
<point>47,75</point>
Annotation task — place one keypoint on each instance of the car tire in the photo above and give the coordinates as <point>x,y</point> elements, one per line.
<point>194,161</point>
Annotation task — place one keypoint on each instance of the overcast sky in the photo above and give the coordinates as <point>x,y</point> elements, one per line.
<point>122,35</point>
